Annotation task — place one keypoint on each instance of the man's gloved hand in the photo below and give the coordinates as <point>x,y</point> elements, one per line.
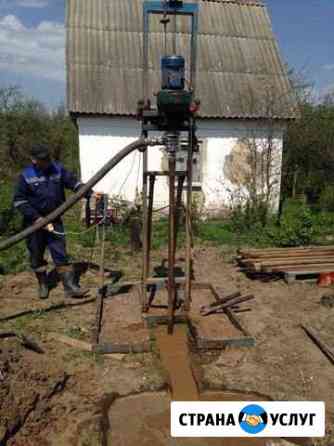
<point>48,227</point>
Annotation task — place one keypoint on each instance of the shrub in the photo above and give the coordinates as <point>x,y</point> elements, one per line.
<point>296,226</point>
<point>327,198</point>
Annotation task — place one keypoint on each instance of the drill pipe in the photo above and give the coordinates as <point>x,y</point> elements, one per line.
<point>71,201</point>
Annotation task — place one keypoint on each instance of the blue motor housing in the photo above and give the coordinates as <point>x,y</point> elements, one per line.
<point>172,72</point>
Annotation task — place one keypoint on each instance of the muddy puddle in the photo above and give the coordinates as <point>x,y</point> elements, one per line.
<point>144,419</point>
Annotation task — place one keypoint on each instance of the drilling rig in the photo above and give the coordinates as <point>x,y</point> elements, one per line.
<point>174,116</point>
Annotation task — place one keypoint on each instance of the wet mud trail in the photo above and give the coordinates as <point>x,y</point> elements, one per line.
<point>144,419</point>
<point>174,355</point>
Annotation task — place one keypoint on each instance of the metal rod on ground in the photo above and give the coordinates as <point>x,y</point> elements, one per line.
<point>229,304</point>
<point>219,300</point>
<point>101,294</point>
<point>323,347</point>
<point>171,245</point>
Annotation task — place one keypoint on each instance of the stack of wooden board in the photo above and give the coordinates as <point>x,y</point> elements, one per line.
<point>291,262</point>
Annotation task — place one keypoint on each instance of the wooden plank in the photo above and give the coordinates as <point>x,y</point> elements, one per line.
<point>268,266</point>
<point>245,252</point>
<point>71,342</point>
<point>286,252</point>
<point>288,258</point>
<point>305,269</point>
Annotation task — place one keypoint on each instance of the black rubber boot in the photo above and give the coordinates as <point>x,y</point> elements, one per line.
<point>43,290</point>
<point>70,288</point>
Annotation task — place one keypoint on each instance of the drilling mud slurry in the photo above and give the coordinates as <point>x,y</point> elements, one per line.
<point>144,419</point>
<point>174,355</point>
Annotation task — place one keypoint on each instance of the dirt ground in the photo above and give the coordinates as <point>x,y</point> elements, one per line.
<point>64,396</point>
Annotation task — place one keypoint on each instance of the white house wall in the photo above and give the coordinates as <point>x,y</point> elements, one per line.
<point>101,138</point>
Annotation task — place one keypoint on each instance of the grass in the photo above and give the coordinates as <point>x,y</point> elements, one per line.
<point>30,324</point>
<point>299,226</point>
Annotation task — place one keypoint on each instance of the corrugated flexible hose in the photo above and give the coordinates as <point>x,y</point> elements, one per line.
<point>139,144</point>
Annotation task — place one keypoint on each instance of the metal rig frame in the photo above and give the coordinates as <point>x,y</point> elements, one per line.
<point>172,124</point>
<point>175,200</point>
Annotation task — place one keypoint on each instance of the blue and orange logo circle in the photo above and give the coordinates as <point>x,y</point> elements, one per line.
<point>253,419</point>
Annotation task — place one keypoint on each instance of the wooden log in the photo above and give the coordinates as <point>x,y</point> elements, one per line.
<point>286,252</point>
<point>327,351</point>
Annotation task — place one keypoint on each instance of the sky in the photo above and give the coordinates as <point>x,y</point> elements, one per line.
<point>32,41</point>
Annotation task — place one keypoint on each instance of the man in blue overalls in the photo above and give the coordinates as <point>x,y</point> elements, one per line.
<point>41,190</point>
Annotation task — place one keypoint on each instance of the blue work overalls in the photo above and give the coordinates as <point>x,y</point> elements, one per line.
<point>37,194</point>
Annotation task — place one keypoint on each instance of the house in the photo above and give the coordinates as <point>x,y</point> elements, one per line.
<point>246,97</point>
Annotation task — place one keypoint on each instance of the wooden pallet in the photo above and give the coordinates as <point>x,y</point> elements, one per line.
<point>292,263</point>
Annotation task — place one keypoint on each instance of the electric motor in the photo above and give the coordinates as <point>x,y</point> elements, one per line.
<point>172,72</point>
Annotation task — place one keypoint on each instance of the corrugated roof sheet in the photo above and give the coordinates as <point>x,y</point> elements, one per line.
<point>240,72</point>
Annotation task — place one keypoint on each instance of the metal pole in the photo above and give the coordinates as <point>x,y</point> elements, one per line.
<point>171,245</point>
<point>189,219</point>
<point>178,205</point>
<point>174,33</point>
<point>146,25</point>
<point>193,68</point>
<point>145,224</point>
<point>100,297</point>
<point>149,222</point>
